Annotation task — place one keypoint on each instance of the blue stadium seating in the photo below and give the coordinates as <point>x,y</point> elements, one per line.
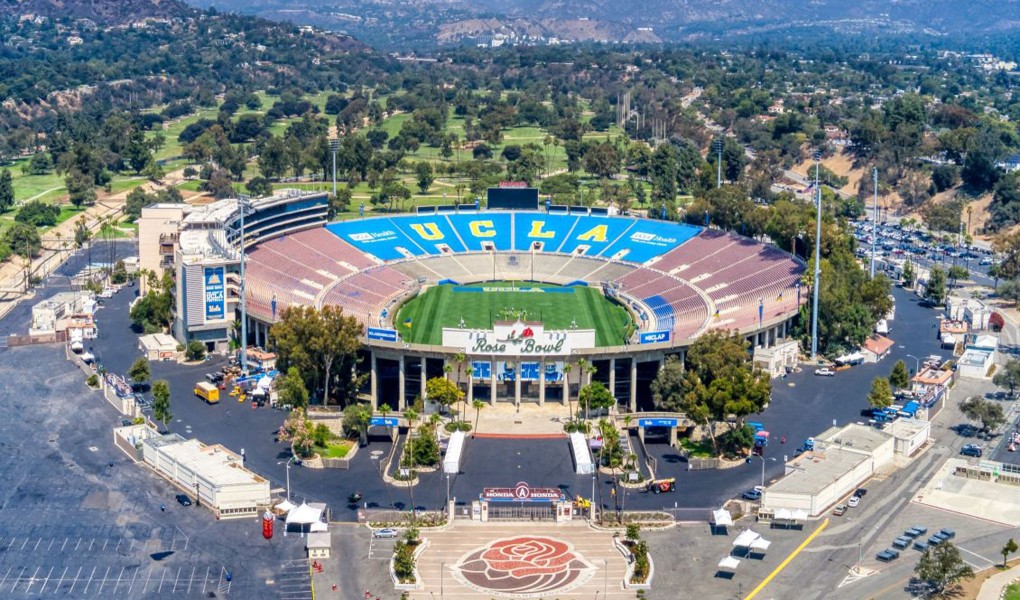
<point>477,228</point>
<point>633,240</point>
<point>648,239</point>
<point>663,311</point>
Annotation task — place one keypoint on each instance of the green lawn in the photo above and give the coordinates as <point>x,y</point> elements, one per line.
<point>445,305</point>
<point>334,450</point>
<point>1012,592</point>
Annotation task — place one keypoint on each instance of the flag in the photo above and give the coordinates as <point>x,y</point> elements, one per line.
<point>407,322</point>
<point>716,315</point>
<point>779,297</point>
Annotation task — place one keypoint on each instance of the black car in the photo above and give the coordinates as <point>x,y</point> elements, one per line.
<point>183,499</point>
<point>860,492</point>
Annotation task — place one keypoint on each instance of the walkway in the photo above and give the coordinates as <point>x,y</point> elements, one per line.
<point>992,588</point>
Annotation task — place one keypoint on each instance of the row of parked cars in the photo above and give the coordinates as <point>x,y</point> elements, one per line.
<point>912,537</point>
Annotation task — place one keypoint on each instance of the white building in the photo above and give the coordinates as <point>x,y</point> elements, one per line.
<point>51,314</point>
<point>970,311</point>
<point>215,473</point>
<point>978,357</point>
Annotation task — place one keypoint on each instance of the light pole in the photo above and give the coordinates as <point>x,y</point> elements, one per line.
<point>917,364</point>
<point>447,489</point>
<point>763,459</point>
<point>334,145</point>
<point>243,206</point>
<point>718,144</point>
<point>288,475</point>
<point>818,269</point>
<point>874,235</point>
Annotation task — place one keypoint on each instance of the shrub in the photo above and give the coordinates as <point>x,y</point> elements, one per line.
<point>195,350</point>
<point>92,381</point>
<point>403,561</point>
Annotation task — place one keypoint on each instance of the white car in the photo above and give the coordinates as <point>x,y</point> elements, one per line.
<point>853,501</point>
<point>825,372</point>
<point>385,533</point>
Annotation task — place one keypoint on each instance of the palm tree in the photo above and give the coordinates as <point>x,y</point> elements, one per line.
<point>385,409</point>
<point>410,414</point>
<point>478,405</point>
<point>567,368</point>
<point>584,368</point>
<point>459,359</point>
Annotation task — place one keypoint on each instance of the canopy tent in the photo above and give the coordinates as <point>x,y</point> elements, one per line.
<point>745,539</point>
<point>798,515</point>
<point>782,513</point>
<point>304,515</point>
<point>729,563</point>
<point>760,544</point>
<point>286,506</point>
<point>264,383</point>
<point>317,526</point>
<point>722,518</point>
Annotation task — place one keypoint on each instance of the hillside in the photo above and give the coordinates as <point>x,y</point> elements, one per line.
<point>106,12</point>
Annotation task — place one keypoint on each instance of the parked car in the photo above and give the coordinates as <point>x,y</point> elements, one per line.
<point>935,540</point>
<point>947,533</point>
<point>840,510</point>
<point>901,543</point>
<point>853,501</point>
<point>920,545</point>
<point>825,372</point>
<point>751,495</point>
<point>860,492</point>
<point>972,450</point>
<point>385,533</point>
<point>183,500</point>
<point>887,555</point>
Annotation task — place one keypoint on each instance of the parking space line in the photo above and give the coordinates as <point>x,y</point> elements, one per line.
<point>92,541</point>
<point>31,581</point>
<point>77,545</point>
<point>161,578</point>
<point>148,576</point>
<point>50,547</point>
<point>977,555</point>
<point>18,580</point>
<point>133,577</point>
<point>176,579</point>
<point>4,580</point>
<point>105,542</point>
<point>192,579</point>
<point>64,544</point>
<point>37,544</point>
<point>91,575</point>
<point>119,542</point>
<point>46,581</point>
<point>60,582</point>
<point>75,582</point>
<point>23,544</point>
<point>106,577</point>
<point>119,577</point>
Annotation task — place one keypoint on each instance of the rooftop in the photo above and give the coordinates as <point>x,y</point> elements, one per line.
<point>854,436</point>
<point>933,377</point>
<point>907,428</point>
<point>812,472</point>
<point>215,464</point>
<point>878,344</point>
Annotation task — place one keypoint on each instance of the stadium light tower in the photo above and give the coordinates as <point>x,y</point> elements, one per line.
<point>334,146</point>
<point>243,206</point>
<point>818,257</point>
<point>718,145</point>
<point>874,229</point>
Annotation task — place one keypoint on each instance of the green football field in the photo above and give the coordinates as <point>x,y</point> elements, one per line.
<point>421,320</point>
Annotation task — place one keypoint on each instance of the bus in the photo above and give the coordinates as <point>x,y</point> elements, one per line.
<point>207,391</point>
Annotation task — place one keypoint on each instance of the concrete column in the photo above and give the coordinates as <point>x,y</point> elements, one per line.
<point>374,384</point>
<point>401,391</point>
<point>422,392</point>
<point>517,383</point>
<point>492,384</point>
<point>541,383</point>
<point>612,377</point>
<point>470,396</point>
<point>633,384</point>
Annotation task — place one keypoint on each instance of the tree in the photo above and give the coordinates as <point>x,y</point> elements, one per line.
<point>6,190</point>
<point>357,418</point>
<point>881,395</point>
<point>38,213</point>
<point>989,413</point>
<point>80,188</point>
<point>956,273</point>
<point>195,350</point>
<point>119,274</point>
<point>1008,247</point>
<point>24,240</point>
<point>935,289</point>
<point>291,389</point>
<point>81,233</point>
<point>478,405</point>
<point>908,275</point>
<point>1009,290</point>
<point>320,343</point>
<point>595,395</point>
<point>1008,376</point>
<point>900,376</point>
<point>602,160</point>
<point>139,371</point>
<point>425,176</point>
<point>1008,548</point>
<point>259,187</point>
<point>443,391</point>
<point>943,567</point>
<point>161,402</point>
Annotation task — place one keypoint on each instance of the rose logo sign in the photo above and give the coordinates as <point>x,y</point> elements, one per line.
<point>523,566</point>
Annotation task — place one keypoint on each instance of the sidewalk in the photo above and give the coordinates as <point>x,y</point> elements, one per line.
<point>992,588</point>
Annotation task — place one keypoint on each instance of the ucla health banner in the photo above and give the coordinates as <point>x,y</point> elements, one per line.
<point>215,297</point>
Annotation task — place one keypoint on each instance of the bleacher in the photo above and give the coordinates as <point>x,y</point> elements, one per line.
<point>689,278</point>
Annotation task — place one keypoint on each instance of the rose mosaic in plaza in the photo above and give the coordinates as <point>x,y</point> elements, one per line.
<point>525,566</point>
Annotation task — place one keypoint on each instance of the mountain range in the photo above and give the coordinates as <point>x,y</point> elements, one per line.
<point>107,12</point>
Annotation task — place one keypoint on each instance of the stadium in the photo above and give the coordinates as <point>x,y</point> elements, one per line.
<point>518,295</point>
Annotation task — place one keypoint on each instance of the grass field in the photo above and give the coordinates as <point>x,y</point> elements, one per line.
<point>558,307</point>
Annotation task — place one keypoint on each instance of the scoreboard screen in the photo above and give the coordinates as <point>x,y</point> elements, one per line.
<point>513,198</point>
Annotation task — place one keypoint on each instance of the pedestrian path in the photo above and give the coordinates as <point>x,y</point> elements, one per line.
<point>992,588</point>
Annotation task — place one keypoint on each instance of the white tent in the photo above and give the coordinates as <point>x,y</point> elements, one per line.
<point>265,382</point>
<point>722,518</point>
<point>760,544</point>
<point>285,506</point>
<point>304,515</point>
<point>729,563</point>
<point>783,514</point>
<point>745,539</point>
<point>317,526</point>
<point>798,515</point>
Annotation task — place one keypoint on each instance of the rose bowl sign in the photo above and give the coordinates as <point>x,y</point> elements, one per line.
<point>518,338</point>
<point>522,492</point>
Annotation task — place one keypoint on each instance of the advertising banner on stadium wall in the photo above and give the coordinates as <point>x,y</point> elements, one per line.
<point>518,339</point>
<point>522,492</point>
<point>530,371</point>
<point>655,337</point>
<point>215,296</point>
<point>383,335</point>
